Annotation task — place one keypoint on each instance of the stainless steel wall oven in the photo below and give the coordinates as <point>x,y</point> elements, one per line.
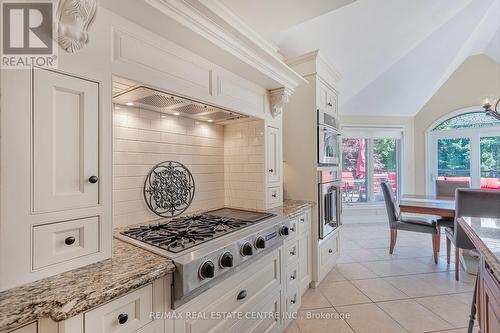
<point>330,200</point>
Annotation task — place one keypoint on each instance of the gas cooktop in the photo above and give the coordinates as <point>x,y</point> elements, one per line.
<point>182,233</point>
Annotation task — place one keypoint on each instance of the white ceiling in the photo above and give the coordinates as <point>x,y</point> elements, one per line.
<point>393,54</point>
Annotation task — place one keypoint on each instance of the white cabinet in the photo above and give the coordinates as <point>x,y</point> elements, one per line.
<point>65,142</point>
<point>31,328</point>
<point>273,155</point>
<point>327,98</point>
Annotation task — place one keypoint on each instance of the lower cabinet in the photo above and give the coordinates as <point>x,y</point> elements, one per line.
<point>489,299</point>
<point>328,253</point>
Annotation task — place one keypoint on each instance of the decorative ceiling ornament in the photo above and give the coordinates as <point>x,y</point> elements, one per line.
<point>169,189</point>
<point>487,106</point>
<point>278,99</point>
<point>74,18</point>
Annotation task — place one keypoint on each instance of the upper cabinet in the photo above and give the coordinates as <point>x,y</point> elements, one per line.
<point>273,155</point>
<point>328,97</point>
<point>65,142</point>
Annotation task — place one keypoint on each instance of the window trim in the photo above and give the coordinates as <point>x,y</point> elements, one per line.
<point>385,132</point>
<point>474,134</point>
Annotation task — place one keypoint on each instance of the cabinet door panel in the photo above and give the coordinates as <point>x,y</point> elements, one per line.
<point>65,141</point>
<point>273,155</point>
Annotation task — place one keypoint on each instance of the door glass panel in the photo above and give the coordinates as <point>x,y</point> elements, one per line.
<point>490,162</point>
<point>384,165</point>
<point>454,159</point>
<point>354,160</point>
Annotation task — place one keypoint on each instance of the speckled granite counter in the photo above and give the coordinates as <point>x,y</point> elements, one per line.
<point>65,295</point>
<point>291,208</point>
<point>485,235</point>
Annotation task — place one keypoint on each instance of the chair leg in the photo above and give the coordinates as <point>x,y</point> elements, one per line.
<point>448,250</point>
<point>457,263</point>
<point>394,236</point>
<point>439,239</point>
<point>435,246</point>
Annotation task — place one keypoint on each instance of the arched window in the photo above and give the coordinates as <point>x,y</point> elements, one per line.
<point>465,148</point>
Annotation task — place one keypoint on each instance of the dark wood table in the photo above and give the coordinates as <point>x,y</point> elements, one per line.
<point>428,204</point>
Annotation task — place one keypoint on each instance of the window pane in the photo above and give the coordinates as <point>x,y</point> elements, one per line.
<point>490,162</point>
<point>384,166</point>
<point>354,155</point>
<point>454,159</point>
<point>467,120</point>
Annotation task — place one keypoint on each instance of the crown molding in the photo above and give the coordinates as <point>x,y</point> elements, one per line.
<point>213,21</point>
<point>314,63</point>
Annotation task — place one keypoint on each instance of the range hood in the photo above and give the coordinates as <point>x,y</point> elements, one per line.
<point>159,101</point>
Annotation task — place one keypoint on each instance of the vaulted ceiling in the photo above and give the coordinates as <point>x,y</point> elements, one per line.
<point>393,54</point>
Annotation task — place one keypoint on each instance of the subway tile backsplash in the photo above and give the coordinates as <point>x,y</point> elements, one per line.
<point>227,162</point>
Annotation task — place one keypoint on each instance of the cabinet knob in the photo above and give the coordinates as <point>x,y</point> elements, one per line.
<point>69,240</point>
<point>292,228</point>
<point>93,179</point>
<point>271,170</point>
<point>292,253</point>
<point>274,195</point>
<point>330,251</point>
<point>329,104</point>
<point>292,277</point>
<point>242,294</point>
<point>122,318</point>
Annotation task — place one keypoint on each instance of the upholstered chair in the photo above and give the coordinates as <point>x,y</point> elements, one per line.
<point>397,222</point>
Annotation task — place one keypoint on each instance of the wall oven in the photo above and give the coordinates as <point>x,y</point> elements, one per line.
<point>330,201</point>
<point>328,139</point>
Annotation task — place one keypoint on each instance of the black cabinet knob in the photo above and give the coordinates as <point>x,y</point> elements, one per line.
<point>207,270</point>
<point>246,249</point>
<point>271,170</point>
<point>69,240</point>
<point>93,179</point>
<point>226,260</point>
<point>241,295</point>
<point>122,318</point>
<point>260,243</point>
<point>330,250</point>
<point>284,231</point>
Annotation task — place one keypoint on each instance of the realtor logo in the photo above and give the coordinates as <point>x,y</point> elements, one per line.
<point>27,34</point>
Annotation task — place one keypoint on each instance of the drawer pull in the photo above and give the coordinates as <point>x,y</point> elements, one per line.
<point>242,295</point>
<point>292,277</point>
<point>329,104</point>
<point>93,179</point>
<point>330,250</point>
<point>271,170</point>
<point>69,240</point>
<point>302,220</point>
<point>293,300</point>
<point>292,228</point>
<point>292,253</point>
<point>122,318</point>
<point>274,195</point>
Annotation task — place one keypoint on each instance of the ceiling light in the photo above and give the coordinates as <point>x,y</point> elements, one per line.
<point>176,113</point>
<point>209,120</point>
<point>487,104</point>
<point>129,103</point>
<point>164,116</point>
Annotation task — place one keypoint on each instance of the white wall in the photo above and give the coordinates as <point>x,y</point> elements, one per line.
<point>477,78</point>
<point>244,164</point>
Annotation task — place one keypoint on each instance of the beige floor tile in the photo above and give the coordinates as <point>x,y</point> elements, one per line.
<point>369,318</point>
<point>413,286</point>
<point>458,330</point>
<point>379,290</point>
<point>293,328</point>
<point>423,265</point>
<point>449,307</point>
<point>413,316</point>
<point>334,276</point>
<point>314,299</point>
<point>321,321</point>
<point>355,271</point>
<point>342,293</point>
<point>386,268</point>
<point>445,283</point>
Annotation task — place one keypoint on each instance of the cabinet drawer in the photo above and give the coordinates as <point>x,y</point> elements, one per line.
<point>294,229</point>
<point>251,285</point>
<point>58,242</point>
<point>328,250</point>
<point>125,314</point>
<point>270,304</point>
<point>292,275</point>
<point>292,251</point>
<point>293,299</point>
<point>274,195</point>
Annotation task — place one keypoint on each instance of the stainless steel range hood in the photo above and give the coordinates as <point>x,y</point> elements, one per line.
<point>159,101</point>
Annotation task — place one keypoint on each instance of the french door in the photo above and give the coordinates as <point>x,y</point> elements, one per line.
<point>469,154</point>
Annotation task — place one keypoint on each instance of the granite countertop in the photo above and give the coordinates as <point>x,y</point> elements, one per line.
<point>65,295</point>
<point>291,208</point>
<point>485,234</point>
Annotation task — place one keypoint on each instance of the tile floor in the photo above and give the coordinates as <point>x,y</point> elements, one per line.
<point>383,293</point>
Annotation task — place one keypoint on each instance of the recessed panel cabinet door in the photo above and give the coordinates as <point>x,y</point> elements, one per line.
<point>273,155</point>
<point>65,139</point>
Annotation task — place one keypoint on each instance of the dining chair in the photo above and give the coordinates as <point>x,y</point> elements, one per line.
<point>447,188</point>
<point>414,224</point>
<point>470,202</point>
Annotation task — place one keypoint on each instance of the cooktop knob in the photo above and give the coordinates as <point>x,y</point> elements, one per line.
<point>246,249</point>
<point>226,260</point>
<point>260,243</point>
<point>207,270</point>
<point>284,231</point>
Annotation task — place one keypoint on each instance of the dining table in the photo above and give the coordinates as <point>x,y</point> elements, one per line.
<point>428,204</point>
